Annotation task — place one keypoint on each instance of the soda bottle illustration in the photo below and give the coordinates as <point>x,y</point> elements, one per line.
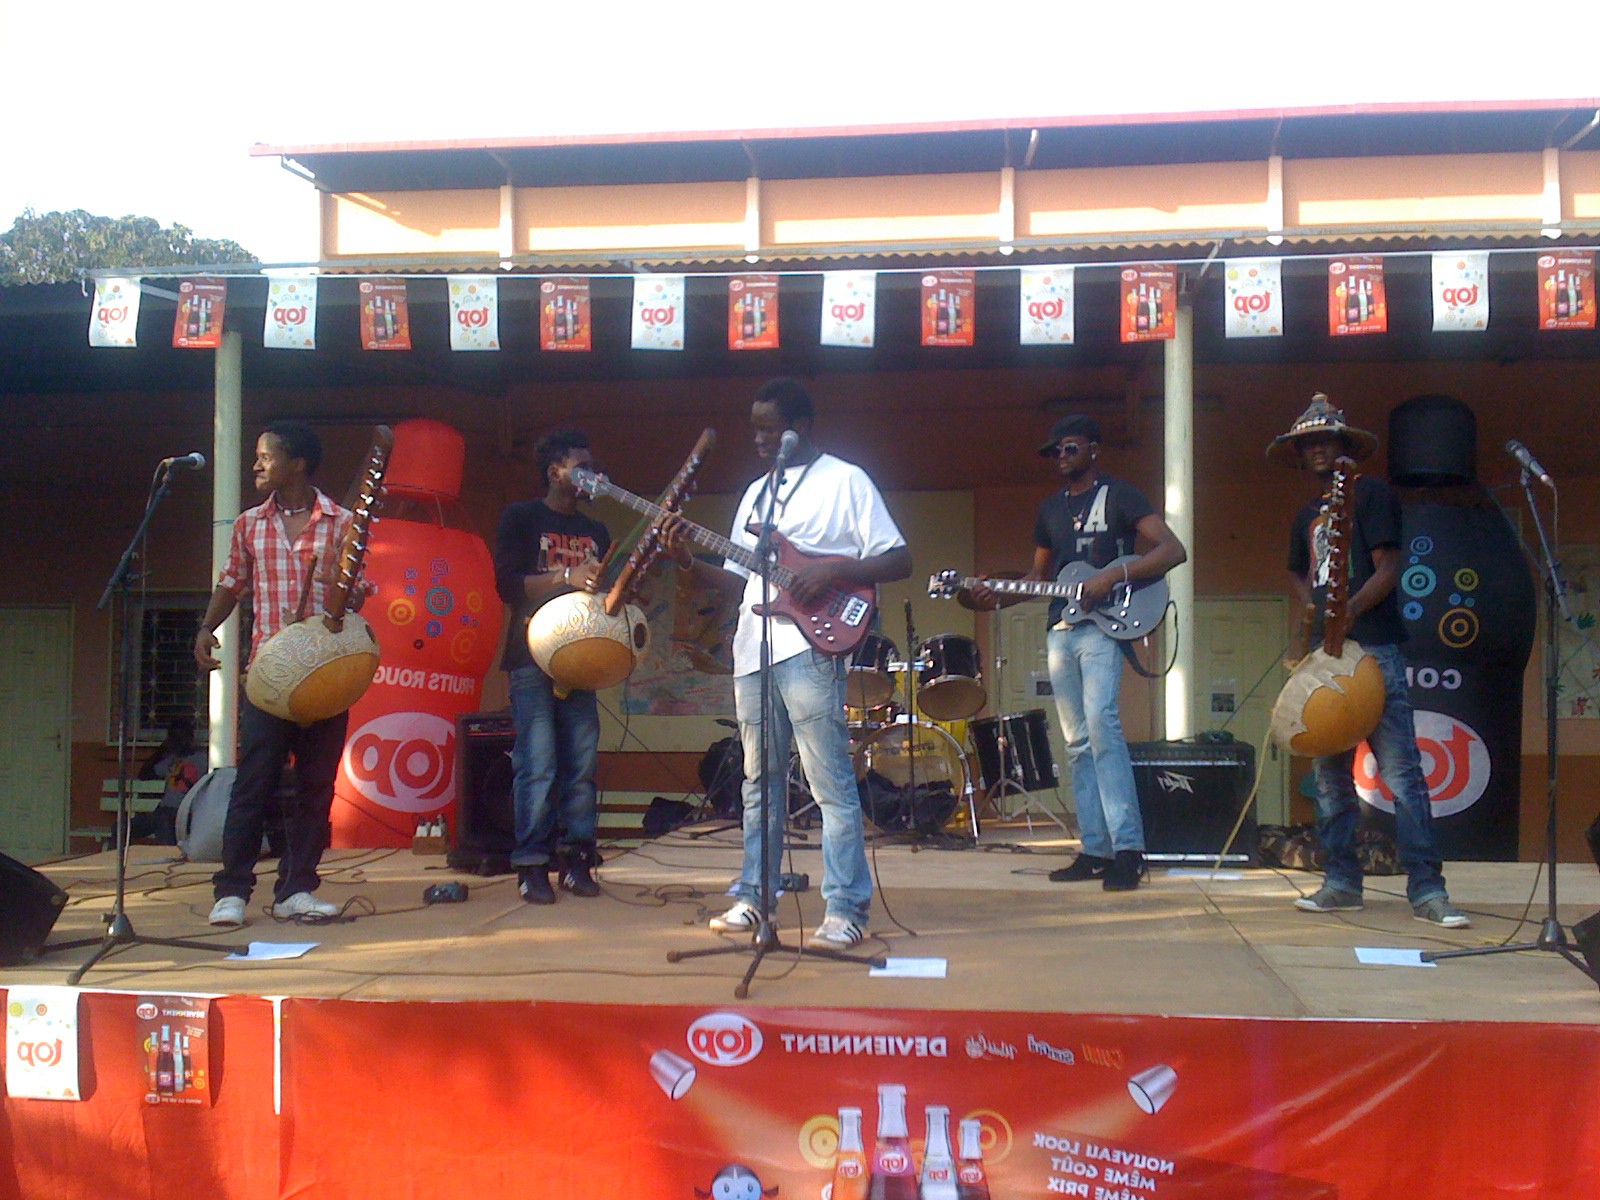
<point>164,1062</point>
<point>972,1182</point>
<point>893,1176</point>
<point>151,1060</point>
<point>188,1063</point>
<point>180,1064</point>
<point>850,1168</point>
<point>938,1166</point>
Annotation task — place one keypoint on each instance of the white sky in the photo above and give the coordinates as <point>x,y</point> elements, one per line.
<point>150,107</point>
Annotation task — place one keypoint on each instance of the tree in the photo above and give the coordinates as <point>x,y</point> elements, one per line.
<point>60,246</point>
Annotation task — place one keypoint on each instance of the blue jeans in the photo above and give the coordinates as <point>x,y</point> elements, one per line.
<point>808,709</point>
<point>1394,744</point>
<point>558,743</point>
<point>1086,677</point>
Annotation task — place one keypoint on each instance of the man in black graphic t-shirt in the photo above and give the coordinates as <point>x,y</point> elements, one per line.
<point>543,549</point>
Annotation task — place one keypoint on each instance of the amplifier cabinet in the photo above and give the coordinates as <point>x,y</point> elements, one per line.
<point>486,827</point>
<point>1189,796</point>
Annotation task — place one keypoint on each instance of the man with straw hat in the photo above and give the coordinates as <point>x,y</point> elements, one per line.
<point>1314,443</point>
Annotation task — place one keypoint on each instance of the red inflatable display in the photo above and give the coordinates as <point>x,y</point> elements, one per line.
<point>437,619</point>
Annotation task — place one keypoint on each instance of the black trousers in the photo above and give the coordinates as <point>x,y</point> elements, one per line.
<point>265,741</point>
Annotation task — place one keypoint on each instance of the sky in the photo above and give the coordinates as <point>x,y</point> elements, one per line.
<point>150,107</point>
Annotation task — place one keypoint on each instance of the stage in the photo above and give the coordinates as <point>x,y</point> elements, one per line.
<point>1293,1069</point>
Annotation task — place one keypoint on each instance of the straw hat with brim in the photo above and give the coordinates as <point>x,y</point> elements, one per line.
<point>1319,420</point>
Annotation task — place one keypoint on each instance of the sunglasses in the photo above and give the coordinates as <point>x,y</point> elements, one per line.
<point>1068,448</point>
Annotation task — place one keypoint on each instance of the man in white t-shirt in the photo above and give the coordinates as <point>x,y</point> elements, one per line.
<point>821,506</point>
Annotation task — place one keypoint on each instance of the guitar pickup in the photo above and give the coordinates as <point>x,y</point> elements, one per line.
<point>853,611</point>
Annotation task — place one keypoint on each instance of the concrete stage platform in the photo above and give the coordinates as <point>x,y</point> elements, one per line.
<point>1185,945</point>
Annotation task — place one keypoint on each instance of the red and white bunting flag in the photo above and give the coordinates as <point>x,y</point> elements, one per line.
<point>114,319</point>
<point>1149,302</point>
<point>753,312</point>
<point>1048,313</point>
<point>658,312</point>
<point>849,308</point>
<point>564,322</point>
<point>474,312</point>
<point>42,1018</point>
<point>1566,290</point>
<point>291,319</point>
<point>1461,291</point>
<point>949,307</point>
<point>197,325</point>
<point>1358,302</point>
<point>385,315</point>
<point>1254,290</point>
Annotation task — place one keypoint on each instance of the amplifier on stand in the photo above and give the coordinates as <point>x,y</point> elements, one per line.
<point>486,826</point>
<point>1189,796</point>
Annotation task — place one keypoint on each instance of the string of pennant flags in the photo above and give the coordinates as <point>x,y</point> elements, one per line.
<point>1253,305</point>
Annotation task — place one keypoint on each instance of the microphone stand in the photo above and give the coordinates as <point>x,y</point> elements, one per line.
<point>764,940</point>
<point>1551,935</point>
<point>119,929</point>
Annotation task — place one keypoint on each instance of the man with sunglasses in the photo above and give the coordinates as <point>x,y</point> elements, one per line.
<point>1094,519</point>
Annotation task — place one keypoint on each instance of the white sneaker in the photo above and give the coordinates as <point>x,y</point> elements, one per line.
<point>741,918</point>
<point>228,911</point>
<point>304,904</point>
<point>837,933</point>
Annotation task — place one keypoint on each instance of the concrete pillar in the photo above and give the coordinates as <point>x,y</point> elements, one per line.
<point>1178,408</point>
<point>227,451</point>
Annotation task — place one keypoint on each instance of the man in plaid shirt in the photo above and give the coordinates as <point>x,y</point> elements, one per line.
<point>289,541</point>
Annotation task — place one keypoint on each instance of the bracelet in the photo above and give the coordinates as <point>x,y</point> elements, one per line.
<point>1124,574</point>
<point>566,575</point>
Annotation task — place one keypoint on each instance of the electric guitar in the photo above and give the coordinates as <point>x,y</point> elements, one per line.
<point>1132,610</point>
<point>835,623</point>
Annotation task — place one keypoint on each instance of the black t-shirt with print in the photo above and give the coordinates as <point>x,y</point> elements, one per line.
<point>533,537</point>
<point>1096,527</point>
<point>1376,524</point>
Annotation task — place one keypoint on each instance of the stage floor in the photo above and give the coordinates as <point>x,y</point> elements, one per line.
<point>1185,944</point>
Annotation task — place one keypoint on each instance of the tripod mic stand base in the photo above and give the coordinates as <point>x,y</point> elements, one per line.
<point>1551,937</point>
<point>764,941</point>
<point>118,936</point>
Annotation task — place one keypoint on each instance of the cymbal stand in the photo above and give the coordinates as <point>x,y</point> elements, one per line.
<point>1010,760</point>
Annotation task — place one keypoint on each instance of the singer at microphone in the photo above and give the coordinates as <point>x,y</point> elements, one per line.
<point>192,462</point>
<point>1530,464</point>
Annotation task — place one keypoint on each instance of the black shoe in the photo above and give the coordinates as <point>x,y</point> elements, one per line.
<point>1125,871</point>
<point>533,885</point>
<point>577,880</point>
<point>1085,866</point>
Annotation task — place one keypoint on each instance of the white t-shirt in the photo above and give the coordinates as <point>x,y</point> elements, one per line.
<point>830,507</point>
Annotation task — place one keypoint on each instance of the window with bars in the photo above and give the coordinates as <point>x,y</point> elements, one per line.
<point>168,683</point>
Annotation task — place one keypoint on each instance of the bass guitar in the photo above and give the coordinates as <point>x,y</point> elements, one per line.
<point>1132,610</point>
<point>835,623</point>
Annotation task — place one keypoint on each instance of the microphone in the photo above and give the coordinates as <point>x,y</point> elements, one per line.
<point>787,445</point>
<point>192,462</point>
<point>1530,464</point>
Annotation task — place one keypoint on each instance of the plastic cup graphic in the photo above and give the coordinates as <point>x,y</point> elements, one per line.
<point>673,1075</point>
<point>1153,1087</point>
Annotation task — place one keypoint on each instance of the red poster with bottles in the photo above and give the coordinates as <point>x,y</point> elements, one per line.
<point>197,325</point>
<point>1357,301</point>
<point>1149,302</point>
<point>949,306</point>
<point>173,1038</point>
<point>1566,290</point>
<point>753,312</point>
<point>385,321</point>
<point>564,314</point>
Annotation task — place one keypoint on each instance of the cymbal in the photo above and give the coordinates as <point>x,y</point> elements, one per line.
<point>964,595</point>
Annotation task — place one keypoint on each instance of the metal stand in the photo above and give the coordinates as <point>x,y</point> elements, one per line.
<point>119,929</point>
<point>1009,785</point>
<point>764,939</point>
<point>1551,935</point>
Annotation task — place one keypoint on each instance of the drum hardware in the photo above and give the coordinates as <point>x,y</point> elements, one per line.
<point>1012,777</point>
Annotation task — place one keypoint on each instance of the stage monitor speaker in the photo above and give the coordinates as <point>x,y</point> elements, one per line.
<point>29,906</point>
<point>486,826</point>
<point>1189,796</point>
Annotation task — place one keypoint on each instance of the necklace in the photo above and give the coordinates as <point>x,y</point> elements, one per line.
<point>1079,512</point>
<point>293,512</point>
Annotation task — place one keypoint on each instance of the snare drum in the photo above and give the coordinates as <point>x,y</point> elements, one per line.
<point>868,682</point>
<point>1026,760</point>
<point>949,680</point>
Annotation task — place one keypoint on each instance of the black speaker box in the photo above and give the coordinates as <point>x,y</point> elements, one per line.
<point>29,906</point>
<point>1189,797</point>
<point>486,826</point>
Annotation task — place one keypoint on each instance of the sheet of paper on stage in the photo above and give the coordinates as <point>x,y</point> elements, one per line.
<point>1384,956</point>
<point>260,951</point>
<point>911,968</point>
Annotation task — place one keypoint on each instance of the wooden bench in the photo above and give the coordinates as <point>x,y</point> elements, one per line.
<point>144,795</point>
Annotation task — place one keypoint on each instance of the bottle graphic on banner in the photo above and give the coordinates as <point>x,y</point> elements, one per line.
<point>893,1175</point>
<point>179,1063</point>
<point>152,1060</point>
<point>164,1063</point>
<point>972,1181</point>
<point>185,1079</point>
<point>938,1180</point>
<point>850,1167</point>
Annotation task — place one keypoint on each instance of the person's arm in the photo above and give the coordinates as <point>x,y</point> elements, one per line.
<point>1384,579</point>
<point>675,540</point>
<point>218,610</point>
<point>1165,552</point>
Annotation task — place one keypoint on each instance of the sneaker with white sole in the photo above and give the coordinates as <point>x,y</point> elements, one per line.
<point>741,918</point>
<point>229,910</point>
<point>1439,911</point>
<point>304,904</point>
<point>1328,898</point>
<point>837,933</point>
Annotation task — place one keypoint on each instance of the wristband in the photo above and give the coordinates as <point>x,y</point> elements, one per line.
<point>566,575</point>
<point>1124,574</point>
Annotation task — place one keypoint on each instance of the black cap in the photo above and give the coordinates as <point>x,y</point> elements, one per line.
<point>1076,424</point>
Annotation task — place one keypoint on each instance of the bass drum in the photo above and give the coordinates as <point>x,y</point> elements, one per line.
<point>911,774</point>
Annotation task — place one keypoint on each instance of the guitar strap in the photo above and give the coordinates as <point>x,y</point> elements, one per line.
<point>1133,659</point>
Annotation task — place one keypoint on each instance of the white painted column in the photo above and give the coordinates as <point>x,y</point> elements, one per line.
<point>227,451</point>
<point>1178,409</point>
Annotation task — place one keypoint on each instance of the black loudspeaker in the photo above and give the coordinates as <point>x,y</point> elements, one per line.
<point>29,906</point>
<point>486,826</point>
<point>1189,797</point>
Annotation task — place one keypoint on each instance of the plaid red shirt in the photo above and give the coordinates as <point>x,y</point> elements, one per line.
<point>262,564</point>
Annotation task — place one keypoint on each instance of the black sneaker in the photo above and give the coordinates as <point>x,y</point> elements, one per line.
<point>533,885</point>
<point>1125,871</point>
<point>575,878</point>
<point>1085,866</point>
